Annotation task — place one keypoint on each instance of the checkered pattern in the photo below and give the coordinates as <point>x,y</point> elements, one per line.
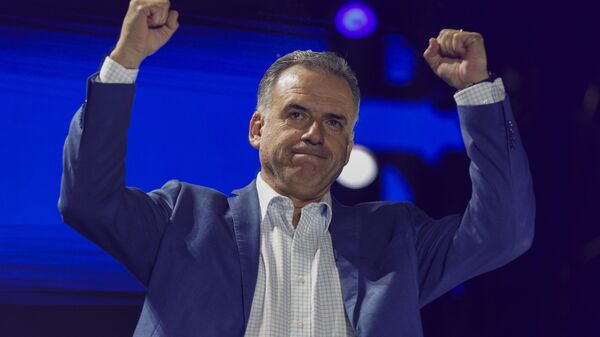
<point>112,72</point>
<point>298,289</point>
<point>482,93</point>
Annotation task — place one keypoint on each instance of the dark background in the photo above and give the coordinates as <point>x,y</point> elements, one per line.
<point>547,54</point>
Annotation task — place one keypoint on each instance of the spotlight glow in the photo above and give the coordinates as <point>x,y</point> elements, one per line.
<point>361,169</point>
<point>355,21</point>
<point>400,60</point>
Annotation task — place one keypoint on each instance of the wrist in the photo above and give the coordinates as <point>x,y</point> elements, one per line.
<point>489,77</point>
<point>125,59</point>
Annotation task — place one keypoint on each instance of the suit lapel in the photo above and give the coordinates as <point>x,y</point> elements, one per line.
<point>344,230</point>
<point>245,211</point>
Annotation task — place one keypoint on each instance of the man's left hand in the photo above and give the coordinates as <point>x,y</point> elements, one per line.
<point>457,57</point>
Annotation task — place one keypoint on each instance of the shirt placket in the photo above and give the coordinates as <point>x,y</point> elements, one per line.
<point>303,251</point>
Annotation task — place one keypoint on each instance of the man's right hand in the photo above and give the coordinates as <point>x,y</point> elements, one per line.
<point>147,26</point>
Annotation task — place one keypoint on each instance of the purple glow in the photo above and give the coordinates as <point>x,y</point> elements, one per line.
<point>355,20</point>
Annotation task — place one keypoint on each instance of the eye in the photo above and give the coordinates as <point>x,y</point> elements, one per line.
<point>296,115</point>
<point>334,124</point>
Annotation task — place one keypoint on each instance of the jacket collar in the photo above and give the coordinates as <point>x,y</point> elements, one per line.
<point>344,230</point>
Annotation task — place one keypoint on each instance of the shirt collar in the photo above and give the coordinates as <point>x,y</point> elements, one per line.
<point>266,193</point>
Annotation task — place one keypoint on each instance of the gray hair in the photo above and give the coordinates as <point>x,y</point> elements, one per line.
<point>328,62</point>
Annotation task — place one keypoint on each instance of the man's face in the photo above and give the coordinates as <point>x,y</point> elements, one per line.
<point>305,138</point>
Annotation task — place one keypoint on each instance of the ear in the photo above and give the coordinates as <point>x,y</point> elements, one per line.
<point>255,129</point>
<point>349,147</point>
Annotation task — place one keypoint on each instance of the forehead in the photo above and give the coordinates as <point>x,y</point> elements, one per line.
<point>314,87</point>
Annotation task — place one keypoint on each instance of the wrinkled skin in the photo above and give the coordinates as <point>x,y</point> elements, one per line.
<point>305,137</point>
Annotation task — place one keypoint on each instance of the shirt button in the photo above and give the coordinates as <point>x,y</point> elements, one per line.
<point>300,323</point>
<point>300,279</point>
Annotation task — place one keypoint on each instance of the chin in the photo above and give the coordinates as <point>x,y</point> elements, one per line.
<point>311,175</point>
<point>308,188</point>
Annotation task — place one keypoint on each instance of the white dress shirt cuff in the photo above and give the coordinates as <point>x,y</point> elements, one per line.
<point>113,72</point>
<point>482,93</point>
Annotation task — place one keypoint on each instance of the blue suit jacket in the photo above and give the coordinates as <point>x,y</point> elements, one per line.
<point>197,250</point>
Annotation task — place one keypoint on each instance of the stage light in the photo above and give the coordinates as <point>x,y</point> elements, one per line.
<point>361,169</point>
<point>400,60</point>
<point>355,20</point>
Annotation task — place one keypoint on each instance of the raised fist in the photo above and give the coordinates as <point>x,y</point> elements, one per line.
<point>457,57</point>
<point>147,26</point>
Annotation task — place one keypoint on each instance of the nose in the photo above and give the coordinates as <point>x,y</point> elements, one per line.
<point>314,134</point>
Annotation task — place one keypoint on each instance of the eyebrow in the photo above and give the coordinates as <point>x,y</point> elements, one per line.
<point>296,106</point>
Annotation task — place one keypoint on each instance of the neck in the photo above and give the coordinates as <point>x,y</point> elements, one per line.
<point>299,202</point>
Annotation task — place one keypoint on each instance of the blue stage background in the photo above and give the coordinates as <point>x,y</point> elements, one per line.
<point>199,93</point>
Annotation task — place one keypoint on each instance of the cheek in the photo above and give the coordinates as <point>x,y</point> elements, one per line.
<point>277,144</point>
<point>287,138</point>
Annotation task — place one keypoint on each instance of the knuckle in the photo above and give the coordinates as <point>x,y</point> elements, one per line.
<point>136,5</point>
<point>476,35</point>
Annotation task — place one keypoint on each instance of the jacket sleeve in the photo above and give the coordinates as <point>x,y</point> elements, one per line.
<point>498,223</point>
<point>125,222</point>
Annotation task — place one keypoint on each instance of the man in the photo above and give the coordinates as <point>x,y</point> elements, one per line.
<point>282,257</point>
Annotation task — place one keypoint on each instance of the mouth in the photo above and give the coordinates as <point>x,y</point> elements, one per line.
<point>311,152</point>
